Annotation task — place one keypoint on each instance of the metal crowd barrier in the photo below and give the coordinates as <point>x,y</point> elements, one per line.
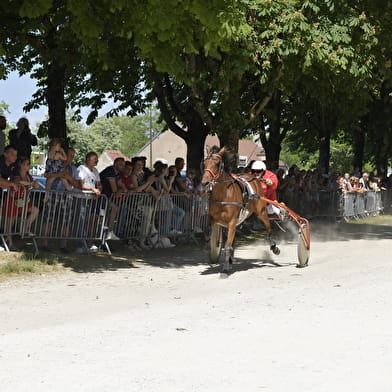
<point>338,204</point>
<point>59,215</point>
<point>70,216</point>
<point>147,221</point>
<point>140,218</point>
<point>15,213</point>
<point>361,205</point>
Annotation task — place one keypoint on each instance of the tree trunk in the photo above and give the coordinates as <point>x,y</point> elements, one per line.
<point>56,102</point>
<point>359,144</point>
<point>272,145</point>
<point>327,123</point>
<point>195,150</point>
<point>383,131</point>
<point>195,139</point>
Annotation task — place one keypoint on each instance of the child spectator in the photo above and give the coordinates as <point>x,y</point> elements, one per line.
<point>17,200</point>
<point>55,163</point>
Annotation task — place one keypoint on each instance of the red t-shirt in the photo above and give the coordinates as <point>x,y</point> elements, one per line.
<point>127,181</point>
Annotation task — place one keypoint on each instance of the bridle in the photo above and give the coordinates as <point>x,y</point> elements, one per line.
<point>220,169</point>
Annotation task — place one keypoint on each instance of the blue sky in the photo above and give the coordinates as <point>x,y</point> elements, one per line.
<point>17,90</point>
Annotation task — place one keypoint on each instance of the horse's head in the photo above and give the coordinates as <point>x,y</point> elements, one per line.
<point>213,165</point>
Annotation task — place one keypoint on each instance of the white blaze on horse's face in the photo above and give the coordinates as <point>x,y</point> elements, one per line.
<point>212,168</point>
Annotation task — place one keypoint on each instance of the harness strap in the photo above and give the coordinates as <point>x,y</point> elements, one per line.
<point>233,203</point>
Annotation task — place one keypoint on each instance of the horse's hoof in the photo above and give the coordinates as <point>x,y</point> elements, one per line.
<point>302,265</point>
<point>275,250</point>
<point>224,274</point>
<point>232,260</point>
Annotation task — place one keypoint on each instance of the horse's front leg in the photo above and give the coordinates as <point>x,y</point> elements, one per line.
<point>229,250</point>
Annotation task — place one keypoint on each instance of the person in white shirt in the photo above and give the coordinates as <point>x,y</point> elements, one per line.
<point>89,175</point>
<point>91,181</point>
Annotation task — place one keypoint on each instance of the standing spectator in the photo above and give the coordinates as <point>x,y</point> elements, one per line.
<point>191,181</point>
<point>164,203</point>
<point>356,172</point>
<point>89,176</point>
<point>22,138</point>
<point>145,211</point>
<point>346,178</point>
<point>112,185</point>
<point>3,125</point>
<point>144,172</point>
<point>70,174</point>
<point>364,182</point>
<point>110,178</point>
<point>8,167</point>
<point>281,184</point>
<point>126,177</point>
<point>7,170</point>
<point>90,181</point>
<point>59,206</point>
<point>179,183</point>
<point>353,185</point>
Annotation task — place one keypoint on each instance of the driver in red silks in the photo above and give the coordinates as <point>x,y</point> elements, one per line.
<point>269,183</point>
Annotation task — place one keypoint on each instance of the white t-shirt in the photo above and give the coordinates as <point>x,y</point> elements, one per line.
<point>89,177</point>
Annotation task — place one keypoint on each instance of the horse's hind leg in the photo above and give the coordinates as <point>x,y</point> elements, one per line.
<point>229,250</point>
<point>263,216</point>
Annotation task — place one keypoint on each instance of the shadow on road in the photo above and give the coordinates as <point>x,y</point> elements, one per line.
<point>189,254</point>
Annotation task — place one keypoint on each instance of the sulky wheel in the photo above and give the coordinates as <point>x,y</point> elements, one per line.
<point>303,247</point>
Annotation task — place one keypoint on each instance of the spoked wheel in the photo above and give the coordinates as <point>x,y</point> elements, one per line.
<point>215,243</point>
<point>303,247</point>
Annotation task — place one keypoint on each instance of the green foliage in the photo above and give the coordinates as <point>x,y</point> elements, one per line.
<point>123,133</point>
<point>327,60</point>
<point>4,108</point>
<point>296,154</point>
<point>102,135</point>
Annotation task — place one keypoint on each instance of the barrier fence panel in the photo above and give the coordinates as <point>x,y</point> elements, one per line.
<point>135,216</point>
<point>16,213</point>
<point>69,215</point>
<point>350,205</point>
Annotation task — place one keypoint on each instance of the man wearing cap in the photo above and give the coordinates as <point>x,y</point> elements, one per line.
<point>269,183</point>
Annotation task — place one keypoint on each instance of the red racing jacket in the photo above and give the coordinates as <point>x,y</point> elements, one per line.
<point>270,190</point>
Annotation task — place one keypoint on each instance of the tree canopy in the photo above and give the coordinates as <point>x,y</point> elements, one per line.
<point>312,71</point>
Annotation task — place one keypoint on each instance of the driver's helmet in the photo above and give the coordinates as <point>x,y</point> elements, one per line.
<point>258,165</point>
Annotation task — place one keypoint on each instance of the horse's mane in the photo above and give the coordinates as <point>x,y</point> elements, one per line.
<point>226,157</point>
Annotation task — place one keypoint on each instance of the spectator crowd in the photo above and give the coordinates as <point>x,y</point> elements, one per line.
<point>170,194</point>
<point>165,198</point>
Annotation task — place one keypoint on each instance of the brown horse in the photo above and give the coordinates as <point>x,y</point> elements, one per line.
<point>227,207</point>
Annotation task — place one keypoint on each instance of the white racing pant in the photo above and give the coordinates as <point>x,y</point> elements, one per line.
<point>271,209</point>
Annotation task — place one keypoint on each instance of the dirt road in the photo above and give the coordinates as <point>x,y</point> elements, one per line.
<point>168,323</point>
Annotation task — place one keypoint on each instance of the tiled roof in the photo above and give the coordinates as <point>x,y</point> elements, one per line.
<point>246,148</point>
<point>107,158</point>
<point>113,154</point>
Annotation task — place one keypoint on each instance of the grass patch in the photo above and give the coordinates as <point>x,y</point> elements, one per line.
<point>19,264</point>
<point>373,220</point>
